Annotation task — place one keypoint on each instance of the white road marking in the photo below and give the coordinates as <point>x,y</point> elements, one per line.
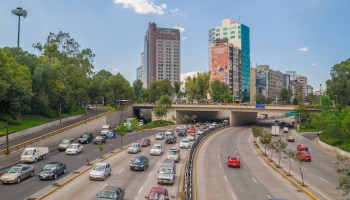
<point>218,157</point>
<point>254,180</point>
<point>121,171</point>
<point>234,196</point>
<point>236,151</point>
<point>80,156</point>
<point>244,167</point>
<point>104,186</point>
<point>268,196</point>
<point>150,173</point>
<point>28,180</point>
<point>220,165</point>
<point>323,179</point>
<point>226,178</point>
<point>158,162</point>
<point>140,190</point>
<point>96,149</point>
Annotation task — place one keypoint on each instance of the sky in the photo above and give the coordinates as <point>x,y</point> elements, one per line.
<point>307,36</point>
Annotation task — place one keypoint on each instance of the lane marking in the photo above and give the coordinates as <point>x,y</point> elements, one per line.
<point>218,157</point>
<point>140,190</point>
<point>96,149</point>
<point>236,151</point>
<point>104,186</point>
<point>28,180</point>
<point>268,196</point>
<point>158,162</point>
<point>121,171</point>
<point>150,174</point>
<point>323,179</point>
<point>254,180</point>
<point>220,165</point>
<point>80,156</point>
<point>226,178</point>
<point>244,167</point>
<point>233,196</point>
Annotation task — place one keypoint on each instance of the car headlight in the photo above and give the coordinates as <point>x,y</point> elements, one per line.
<point>141,165</point>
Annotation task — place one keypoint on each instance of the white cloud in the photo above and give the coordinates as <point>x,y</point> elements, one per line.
<point>182,29</point>
<point>314,64</point>
<point>303,49</point>
<point>143,6</point>
<point>176,11</point>
<point>184,38</point>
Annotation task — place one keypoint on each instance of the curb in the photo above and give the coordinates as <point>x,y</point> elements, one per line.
<point>182,175</point>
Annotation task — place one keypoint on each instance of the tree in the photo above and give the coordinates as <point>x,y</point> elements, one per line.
<point>272,147</point>
<point>159,88</point>
<point>119,88</point>
<point>217,88</point>
<point>197,87</point>
<point>257,131</point>
<point>138,87</point>
<point>101,147</point>
<point>290,155</point>
<point>177,89</point>
<point>160,111</point>
<point>285,95</point>
<point>301,172</point>
<point>280,147</point>
<point>164,100</point>
<point>121,130</point>
<point>265,139</point>
<point>99,86</point>
<point>343,169</point>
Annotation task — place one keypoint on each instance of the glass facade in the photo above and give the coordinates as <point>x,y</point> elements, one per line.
<point>245,51</point>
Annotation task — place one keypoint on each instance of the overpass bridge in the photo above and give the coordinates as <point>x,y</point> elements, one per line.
<point>237,114</point>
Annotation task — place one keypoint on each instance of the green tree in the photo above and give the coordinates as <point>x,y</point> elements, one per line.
<point>290,154</point>
<point>160,88</point>
<point>99,86</point>
<point>119,88</point>
<point>285,95</point>
<point>217,88</point>
<point>280,147</point>
<point>197,87</point>
<point>164,100</point>
<point>177,89</point>
<point>101,147</point>
<point>257,131</point>
<point>265,139</point>
<point>160,111</point>
<point>138,87</point>
<point>121,130</point>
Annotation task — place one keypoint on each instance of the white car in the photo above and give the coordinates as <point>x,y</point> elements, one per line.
<point>191,136</point>
<point>160,136</point>
<point>74,148</point>
<point>100,171</point>
<point>173,154</point>
<point>200,131</point>
<point>169,132</point>
<point>157,149</point>
<point>185,143</point>
<point>134,148</point>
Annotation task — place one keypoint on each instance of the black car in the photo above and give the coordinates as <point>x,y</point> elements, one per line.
<point>86,138</point>
<point>171,139</point>
<point>182,133</point>
<point>139,163</point>
<point>111,192</point>
<point>52,170</point>
<point>99,139</point>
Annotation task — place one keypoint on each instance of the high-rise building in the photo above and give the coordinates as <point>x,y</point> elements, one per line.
<point>161,54</point>
<point>286,81</point>
<point>237,35</point>
<point>252,84</point>
<point>262,80</point>
<point>303,81</point>
<point>275,84</point>
<point>140,70</point>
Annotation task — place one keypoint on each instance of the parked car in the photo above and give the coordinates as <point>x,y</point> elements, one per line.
<point>145,142</point>
<point>182,132</point>
<point>99,139</point>
<point>100,171</point>
<point>52,170</point>
<point>160,136</point>
<point>290,138</point>
<point>74,148</point>
<point>173,154</point>
<point>302,147</point>
<point>158,193</point>
<point>134,148</point>
<point>185,143</point>
<point>233,161</point>
<point>157,149</point>
<point>200,131</point>
<point>17,173</point>
<point>62,146</point>
<point>139,163</point>
<point>86,138</point>
<point>171,139</point>
<point>304,155</point>
<point>111,192</point>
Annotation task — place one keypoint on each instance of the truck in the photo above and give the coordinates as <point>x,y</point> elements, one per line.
<point>33,154</point>
<point>275,130</point>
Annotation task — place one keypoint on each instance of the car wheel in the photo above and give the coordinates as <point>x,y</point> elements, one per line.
<point>35,160</point>
<point>75,153</point>
<point>31,174</point>
<point>104,177</point>
<point>44,157</point>
<point>18,179</point>
<point>55,176</point>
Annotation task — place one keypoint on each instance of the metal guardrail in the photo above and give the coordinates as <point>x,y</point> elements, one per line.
<point>188,181</point>
<point>53,133</point>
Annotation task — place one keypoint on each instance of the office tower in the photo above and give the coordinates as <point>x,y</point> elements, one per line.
<point>286,81</point>
<point>140,70</point>
<point>236,35</point>
<point>252,84</point>
<point>262,80</point>
<point>161,54</point>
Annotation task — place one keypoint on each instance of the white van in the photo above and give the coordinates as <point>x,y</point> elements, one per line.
<point>285,130</point>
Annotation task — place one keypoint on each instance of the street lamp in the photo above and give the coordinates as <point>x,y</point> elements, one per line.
<point>20,13</point>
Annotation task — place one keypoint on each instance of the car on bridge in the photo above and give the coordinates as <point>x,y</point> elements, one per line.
<point>17,173</point>
<point>100,171</point>
<point>303,155</point>
<point>52,170</point>
<point>74,148</point>
<point>158,193</point>
<point>111,192</point>
<point>233,161</point>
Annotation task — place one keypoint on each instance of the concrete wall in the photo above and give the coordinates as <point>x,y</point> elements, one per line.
<point>334,149</point>
<point>240,118</point>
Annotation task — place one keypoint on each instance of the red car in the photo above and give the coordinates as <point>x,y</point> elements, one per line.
<point>233,161</point>
<point>158,193</point>
<point>145,142</point>
<point>192,130</point>
<point>304,155</point>
<point>302,147</point>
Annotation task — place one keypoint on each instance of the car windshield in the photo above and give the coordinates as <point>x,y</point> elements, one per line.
<point>185,141</point>
<point>160,134</point>
<point>28,152</point>
<point>234,158</point>
<point>144,140</point>
<point>98,137</point>
<point>138,160</point>
<point>156,196</point>
<point>165,171</point>
<point>107,195</point>
<point>85,136</point>
<point>156,147</point>
<point>172,152</point>
<point>14,170</point>
<point>49,167</point>
<point>73,146</point>
<point>135,145</point>
<point>99,168</point>
<point>65,142</point>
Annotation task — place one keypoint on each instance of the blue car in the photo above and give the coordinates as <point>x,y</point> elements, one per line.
<point>111,134</point>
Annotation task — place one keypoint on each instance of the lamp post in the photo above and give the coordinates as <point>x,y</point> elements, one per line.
<point>20,13</point>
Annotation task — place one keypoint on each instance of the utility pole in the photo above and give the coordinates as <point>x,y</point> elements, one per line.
<point>7,138</point>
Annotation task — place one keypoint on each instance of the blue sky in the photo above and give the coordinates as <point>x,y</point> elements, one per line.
<point>307,36</point>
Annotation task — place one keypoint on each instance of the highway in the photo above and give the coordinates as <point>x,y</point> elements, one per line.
<point>137,184</point>
<point>30,186</point>
<point>254,180</point>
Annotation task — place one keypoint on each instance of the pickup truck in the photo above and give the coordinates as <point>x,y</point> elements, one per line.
<point>33,154</point>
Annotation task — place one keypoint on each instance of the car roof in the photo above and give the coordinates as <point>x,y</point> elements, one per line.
<point>110,188</point>
<point>102,163</point>
<point>160,190</point>
<point>157,145</point>
<point>234,156</point>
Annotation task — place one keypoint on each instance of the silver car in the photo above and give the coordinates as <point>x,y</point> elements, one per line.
<point>160,136</point>
<point>100,171</point>
<point>134,148</point>
<point>17,173</point>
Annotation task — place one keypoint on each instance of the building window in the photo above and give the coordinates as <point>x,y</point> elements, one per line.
<point>218,34</point>
<point>232,36</point>
<point>232,32</point>
<point>239,36</point>
<point>217,30</point>
<point>225,29</point>
<point>225,33</point>
<point>225,37</point>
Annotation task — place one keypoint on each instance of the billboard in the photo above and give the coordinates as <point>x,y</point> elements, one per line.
<point>220,63</point>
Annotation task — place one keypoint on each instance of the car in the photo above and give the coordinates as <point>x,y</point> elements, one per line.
<point>285,129</point>
<point>198,124</point>
<point>157,149</point>
<point>169,132</point>
<point>200,131</point>
<point>171,139</point>
<point>211,126</point>
<point>52,170</point>
<point>233,161</point>
<point>100,139</point>
<point>303,155</point>
<point>185,143</point>
<point>290,138</point>
<point>225,122</point>
<point>100,171</point>
<point>111,134</point>
<point>62,146</point>
<point>139,163</point>
<point>191,136</point>
<point>17,173</point>
<point>90,107</point>
<point>134,148</point>
<point>74,148</point>
<point>145,142</point>
<point>182,132</point>
<point>160,136</point>
<point>158,193</point>
<point>111,192</point>
<point>141,123</point>
<point>191,130</point>
<point>302,147</point>
<point>180,127</point>
<point>173,154</point>
<point>86,138</point>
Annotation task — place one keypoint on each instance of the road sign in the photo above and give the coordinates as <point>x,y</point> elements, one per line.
<point>291,114</point>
